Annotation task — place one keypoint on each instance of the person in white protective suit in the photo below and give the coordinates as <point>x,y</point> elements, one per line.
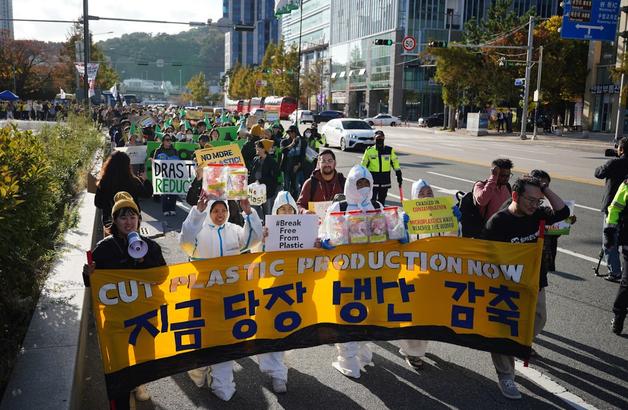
<point>414,350</point>
<point>206,233</point>
<point>354,356</point>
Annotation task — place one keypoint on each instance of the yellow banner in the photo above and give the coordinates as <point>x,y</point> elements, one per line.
<point>225,154</point>
<point>430,215</point>
<point>470,292</point>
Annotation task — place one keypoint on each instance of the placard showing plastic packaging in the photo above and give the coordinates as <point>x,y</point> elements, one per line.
<point>257,193</point>
<point>358,227</point>
<point>377,225</point>
<point>338,231</point>
<point>214,181</point>
<point>394,223</point>
<point>237,182</point>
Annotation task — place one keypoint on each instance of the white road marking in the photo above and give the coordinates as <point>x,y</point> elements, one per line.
<point>587,207</point>
<point>451,177</point>
<point>581,256</point>
<point>552,387</point>
<point>523,158</point>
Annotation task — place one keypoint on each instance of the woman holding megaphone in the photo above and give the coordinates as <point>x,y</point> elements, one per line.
<point>125,248</point>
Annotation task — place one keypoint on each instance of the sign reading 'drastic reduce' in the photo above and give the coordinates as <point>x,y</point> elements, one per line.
<point>286,232</point>
<point>172,177</point>
<point>430,215</point>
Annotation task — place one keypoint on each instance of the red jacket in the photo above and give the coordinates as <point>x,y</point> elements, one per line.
<point>324,190</point>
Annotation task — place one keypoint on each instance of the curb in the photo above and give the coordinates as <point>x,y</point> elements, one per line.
<point>49,368</point>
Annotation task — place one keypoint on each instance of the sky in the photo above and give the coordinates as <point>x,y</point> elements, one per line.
<point>177,10</point>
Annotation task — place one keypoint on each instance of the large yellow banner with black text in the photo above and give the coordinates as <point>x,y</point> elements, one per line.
<point>161,321</point>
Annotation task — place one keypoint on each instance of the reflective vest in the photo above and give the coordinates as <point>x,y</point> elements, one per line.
<point>379,163</point>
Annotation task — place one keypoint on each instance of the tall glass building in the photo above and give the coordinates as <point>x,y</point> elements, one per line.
<point>248,47</point>
<point>6,12</point>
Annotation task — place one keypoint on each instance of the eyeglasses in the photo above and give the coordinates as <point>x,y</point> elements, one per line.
<point>532,201</point>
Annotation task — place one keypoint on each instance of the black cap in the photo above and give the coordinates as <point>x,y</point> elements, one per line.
<point>293,128</point>
<point>203,137</point>
<point>379,132</point>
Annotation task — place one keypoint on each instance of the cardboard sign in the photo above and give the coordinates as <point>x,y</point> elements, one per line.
<point>562,227</point>
<point>194,115</point>
<point>319,208</point>
<point>156,322</point>
<point>430,215</point>
<point>137,153</point>
<point>289,232</point>
<point>226,154</point>
<point>172,177</point>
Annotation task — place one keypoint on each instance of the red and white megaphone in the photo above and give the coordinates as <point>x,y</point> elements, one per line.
<point>137,247</point>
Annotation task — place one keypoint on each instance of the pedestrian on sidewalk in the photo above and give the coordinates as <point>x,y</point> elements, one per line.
<point>519,223</point>
<point>380,159</point>
<point>614,171</point>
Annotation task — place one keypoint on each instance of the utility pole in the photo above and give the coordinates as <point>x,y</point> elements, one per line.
<point>619,127</point>
<point>538,89</point>
<point>299,66</point>
<point>449,17</point>
<point>85,51</point>
<point>526,94</point>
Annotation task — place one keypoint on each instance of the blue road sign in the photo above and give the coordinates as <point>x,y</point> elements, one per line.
<point>590,19</point>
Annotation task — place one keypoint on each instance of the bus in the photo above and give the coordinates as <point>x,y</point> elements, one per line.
<point>234,105</point>
<point>245,106</point>
<point>256,102</point>
<point>279,107</point>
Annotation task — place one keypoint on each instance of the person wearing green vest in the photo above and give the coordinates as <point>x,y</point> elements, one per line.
<point>379,159</point>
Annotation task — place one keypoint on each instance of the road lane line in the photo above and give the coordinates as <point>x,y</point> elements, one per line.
<point>587,207</point>
<point>523,158</point>
<point>579,255</point>
<point>552,387</point>
<point>451,177</point>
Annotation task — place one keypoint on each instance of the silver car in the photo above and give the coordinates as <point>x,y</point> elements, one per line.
<point>348,133</point>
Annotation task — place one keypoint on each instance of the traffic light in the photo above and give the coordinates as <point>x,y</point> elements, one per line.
<point>383,42</point>
<point>437,44</point>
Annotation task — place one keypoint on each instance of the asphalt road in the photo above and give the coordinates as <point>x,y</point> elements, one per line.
<point>577,349</point>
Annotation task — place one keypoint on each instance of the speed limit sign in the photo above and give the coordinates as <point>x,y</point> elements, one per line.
<point>408,43</point>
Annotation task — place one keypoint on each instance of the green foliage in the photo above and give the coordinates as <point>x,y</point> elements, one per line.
<point>500,19</point>
<point>38,181</point>
<point>278,71</point>
<point>199,90</point>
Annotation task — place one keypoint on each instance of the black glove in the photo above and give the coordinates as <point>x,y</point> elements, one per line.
<point>610,234</point>
<point>399,178</point>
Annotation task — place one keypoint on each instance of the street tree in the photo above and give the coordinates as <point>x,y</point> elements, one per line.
<point>27,65</point>
<point>312,81</point>
<point>198,89</point>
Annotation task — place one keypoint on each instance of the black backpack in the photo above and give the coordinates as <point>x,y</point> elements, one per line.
<point>472,219</point>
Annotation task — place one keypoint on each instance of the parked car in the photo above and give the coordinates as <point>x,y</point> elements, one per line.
<point>348,133</point>
<point>383,119</point>
<point>436,119</point>
<point>259,113</point>
<point>301,116</point>
<point>328,115</point>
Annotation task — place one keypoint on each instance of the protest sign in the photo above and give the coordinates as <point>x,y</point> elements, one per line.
<point>430,215</point>
<point>226,154</point>
<point>156,322</point>
<point>137,153</point>
<point>319,208</point>
<point>172,176</point>
<point>286,232</point>
<point>562,227</point>
<point>194,115</point>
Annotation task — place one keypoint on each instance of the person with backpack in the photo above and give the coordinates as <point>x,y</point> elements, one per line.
<point>616,233</point>
<point>324,184</point>
<point>487,198</point>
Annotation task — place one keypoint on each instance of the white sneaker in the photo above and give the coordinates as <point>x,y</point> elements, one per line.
<point>141,394</point>
<point>198,376</point>
<point>279,386</point>
<point>509,389</point>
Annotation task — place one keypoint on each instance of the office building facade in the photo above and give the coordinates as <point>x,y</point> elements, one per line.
<point>6,12</point>
<point>248,47</point>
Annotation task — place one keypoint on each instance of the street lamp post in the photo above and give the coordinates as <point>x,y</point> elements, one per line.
<point>299,66</point>
<point>85,50</point>
<point>538,89</point>
<point>526,93</point>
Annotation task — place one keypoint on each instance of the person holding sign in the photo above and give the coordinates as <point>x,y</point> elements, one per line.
<point>264,171</point>
<point>414,350</point>
<point>167,151</point>
<point>111,253</point>
<point>206,233</point>
<point>353,356</point>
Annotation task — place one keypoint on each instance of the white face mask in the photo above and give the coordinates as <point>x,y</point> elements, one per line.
<point>365,193</point>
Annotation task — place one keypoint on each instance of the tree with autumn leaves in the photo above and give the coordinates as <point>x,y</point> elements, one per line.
<point>474,76</point>
<point>276,75</point>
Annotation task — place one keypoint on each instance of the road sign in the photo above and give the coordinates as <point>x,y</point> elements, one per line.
<point>520,82</point>
<point>409,43</point>
<point>590,19</point>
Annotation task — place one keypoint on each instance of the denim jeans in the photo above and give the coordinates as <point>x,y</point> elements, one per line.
<point>612,254</point>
